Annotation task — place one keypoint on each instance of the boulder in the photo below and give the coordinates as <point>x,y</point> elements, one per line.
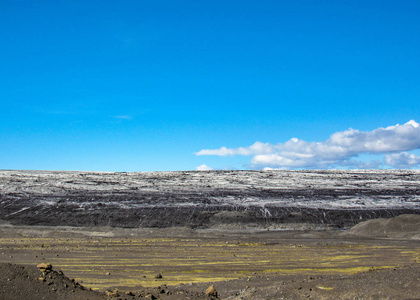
<point>44,267</point>
<point>211,291</point>
<point>112,293</point>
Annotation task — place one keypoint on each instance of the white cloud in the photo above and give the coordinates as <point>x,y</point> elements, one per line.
<point>273,169</point>
<point>393,138</point>
<point>336,151</point>
<point>402,160</point>
<point>204,168</point>
<point>256,148</point>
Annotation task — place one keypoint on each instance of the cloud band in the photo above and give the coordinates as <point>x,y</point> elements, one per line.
<point>336,151</point>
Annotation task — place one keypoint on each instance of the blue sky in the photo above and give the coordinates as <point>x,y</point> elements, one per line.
<point>164,85</point>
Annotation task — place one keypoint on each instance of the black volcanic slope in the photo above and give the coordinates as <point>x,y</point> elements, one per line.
<point>198,199</point>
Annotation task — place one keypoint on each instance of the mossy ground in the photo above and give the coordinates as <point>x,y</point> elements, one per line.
<point>100,262</point>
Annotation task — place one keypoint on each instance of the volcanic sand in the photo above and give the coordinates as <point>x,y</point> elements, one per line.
<point>242,264</point>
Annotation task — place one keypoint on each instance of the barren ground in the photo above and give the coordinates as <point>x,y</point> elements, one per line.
<point>252,235</point>
<point>241,264</point>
